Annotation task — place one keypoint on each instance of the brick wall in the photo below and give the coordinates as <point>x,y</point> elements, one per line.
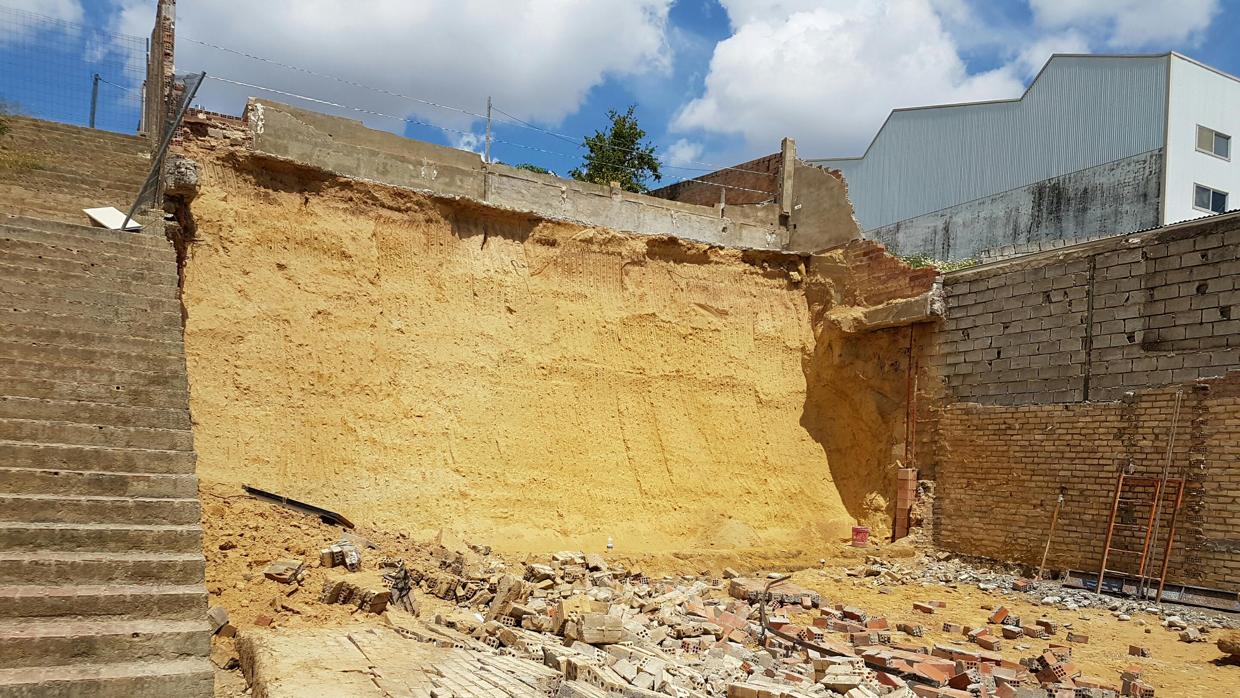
<point>1096,321</point>
<point>1056,371</point>
<point>761,176</point>
<point>867,275</point>
<point>1001,468</point>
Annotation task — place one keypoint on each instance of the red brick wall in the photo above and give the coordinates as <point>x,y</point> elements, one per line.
<point>762,176</point>
<point>869,275</point>
<point>1000,468</point>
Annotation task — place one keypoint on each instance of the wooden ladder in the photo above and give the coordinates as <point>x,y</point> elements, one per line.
<point>1157,511</point>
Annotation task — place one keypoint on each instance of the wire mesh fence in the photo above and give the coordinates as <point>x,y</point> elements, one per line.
<point>69,72</point>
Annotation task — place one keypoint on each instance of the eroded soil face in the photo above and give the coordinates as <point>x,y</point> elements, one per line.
<point>422,365</point>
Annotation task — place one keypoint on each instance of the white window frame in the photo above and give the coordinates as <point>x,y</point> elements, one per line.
<point>1213,191</point>
<point>1214,133</point>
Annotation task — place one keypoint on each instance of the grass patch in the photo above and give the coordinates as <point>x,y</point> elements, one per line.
<point>19,160</point>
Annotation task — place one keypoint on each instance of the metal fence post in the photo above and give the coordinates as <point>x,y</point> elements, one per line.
<point>94,99</point>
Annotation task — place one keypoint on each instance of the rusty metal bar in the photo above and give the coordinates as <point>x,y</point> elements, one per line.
<point>1175,513</point>
<point>1106,547</point>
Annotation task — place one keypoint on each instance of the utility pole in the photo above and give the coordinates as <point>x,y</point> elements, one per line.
<point>487,156</point>
<point>94,99</point>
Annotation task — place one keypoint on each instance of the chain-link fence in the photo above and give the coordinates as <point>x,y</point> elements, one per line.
<point>69,72</point>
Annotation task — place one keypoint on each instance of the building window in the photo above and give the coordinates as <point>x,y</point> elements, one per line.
<point>1213,143</point>
<point>1209,200</point>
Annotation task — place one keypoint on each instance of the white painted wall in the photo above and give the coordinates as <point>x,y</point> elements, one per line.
<point>1199,95</point>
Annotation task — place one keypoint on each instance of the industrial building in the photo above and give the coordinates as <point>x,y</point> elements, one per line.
<point>1096,144</point>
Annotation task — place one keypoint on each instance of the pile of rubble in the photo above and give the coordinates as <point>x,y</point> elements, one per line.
<point>946,570</point>
<point>606,630</point>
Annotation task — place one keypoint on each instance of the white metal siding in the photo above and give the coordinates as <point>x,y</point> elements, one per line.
<point>1080,112</point>
<point>1199,96</point>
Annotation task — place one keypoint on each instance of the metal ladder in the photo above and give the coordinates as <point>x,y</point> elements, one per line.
<point>1162,487</point>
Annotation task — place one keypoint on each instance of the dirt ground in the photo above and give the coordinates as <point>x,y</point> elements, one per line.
<point>243,534</point>
<point>423,364</point>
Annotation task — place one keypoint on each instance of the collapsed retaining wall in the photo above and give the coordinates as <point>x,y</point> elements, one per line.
<point>428,363</point>
<point>815,214</point>
<point>1055,372</point>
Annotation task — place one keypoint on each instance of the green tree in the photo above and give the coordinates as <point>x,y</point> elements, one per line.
<point>533,168</point>
<point>619,154</point>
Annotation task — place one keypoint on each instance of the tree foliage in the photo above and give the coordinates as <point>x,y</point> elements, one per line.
<point>619,154</point>
<point>533,168</point>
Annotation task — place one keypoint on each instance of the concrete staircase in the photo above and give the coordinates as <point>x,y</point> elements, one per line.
<point>101,564</point>
<point>53,171</point>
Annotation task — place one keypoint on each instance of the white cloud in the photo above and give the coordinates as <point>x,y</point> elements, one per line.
<point>66,10</point>
<point>828,72</point>
<point>1034,56</point>
<point>468,141</point>
<point>1130,23</point>
<point>19,25</point>
<point>538,59</point>
<point>683,152</point>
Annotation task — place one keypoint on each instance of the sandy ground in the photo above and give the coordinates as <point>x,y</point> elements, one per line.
<point>425,364</point>
<point>243,534</point>
<point>1176,669</point>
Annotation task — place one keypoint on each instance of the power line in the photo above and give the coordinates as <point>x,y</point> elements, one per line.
<point>709,166</point>
<point>336,78</point>
<point>119,87</point>
<point>409,120</point>
<point>577,142</point>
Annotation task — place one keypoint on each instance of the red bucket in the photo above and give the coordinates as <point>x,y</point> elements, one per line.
<point>861,536</point>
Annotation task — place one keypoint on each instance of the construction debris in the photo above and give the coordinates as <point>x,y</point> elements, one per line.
<point>582,625</point>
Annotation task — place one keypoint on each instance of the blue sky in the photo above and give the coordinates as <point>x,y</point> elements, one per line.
<point>714,81</point>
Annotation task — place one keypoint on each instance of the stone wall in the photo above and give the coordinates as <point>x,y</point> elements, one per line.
<point>1119,196</point>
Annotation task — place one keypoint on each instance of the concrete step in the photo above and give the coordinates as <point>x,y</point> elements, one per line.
<point>68,508</point>
<point>151,260</point>
<point>24,125</point>
<point>16,407</point>
<point>89,149</point>
<point>90,340</point>
<point>69,215</point>
<point>125,396</point>
<point>52,280</point>
<point>29,642</point>
<point>129,178</point>
<point>163,601</point>
<point>67,198</point>
<point>59,432</point>
<point>55,305</point>
<point>92,537</point>
<point>94,483</point>
<point>88,356</point>
<point>179,678</point>
<point>159,327</point>
<point>164,276</point>
<point>119,378</point>
<point>144,236</point>
<point>92,182</point>
<point>20,568</point>
<point>15,454</point>
<point>116,241</point>
<point>16,291</point>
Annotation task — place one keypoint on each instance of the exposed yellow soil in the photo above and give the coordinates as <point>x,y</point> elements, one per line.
<point>420,364</point>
